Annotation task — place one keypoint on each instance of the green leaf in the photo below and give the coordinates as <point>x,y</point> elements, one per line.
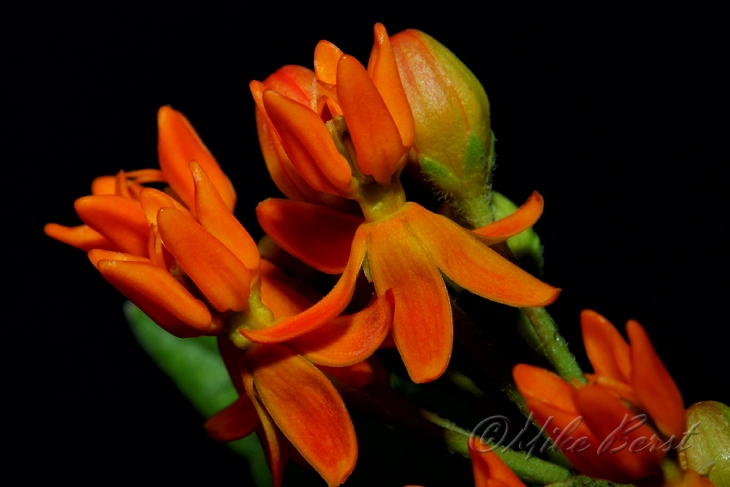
<point>196,368</point>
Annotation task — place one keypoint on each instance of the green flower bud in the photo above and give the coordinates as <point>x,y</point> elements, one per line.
<point>706,446</point>
<point>453,144</point>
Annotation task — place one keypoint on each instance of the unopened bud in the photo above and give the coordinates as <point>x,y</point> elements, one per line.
<point>707,450</point>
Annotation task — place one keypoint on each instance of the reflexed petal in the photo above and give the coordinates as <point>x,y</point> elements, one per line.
<point>215,217</point>
<point>104,185</point>
<point>509,226</point>
<point>152,200</point>
<point>422,324</point>
<point>118,219</point>
<point>160,297</point>
<point>473,265</point>
<point>374,133</point>
<point>177,145</point>
<point>383,69</point>
<point>348,339</point>
<point>308,144</point>
<point>318,236</point>
<point>657,393</point>
<point>234,422</point>
<point>607,351</point>
<point>356,375</point>
<point>489,470</point>
<point>271,442</point>
<point>604,414</point>
<point>326,57</point>
<point>325,310</point>
<point>82,237</point>
<point>198,253</point>
<point>307,408</point>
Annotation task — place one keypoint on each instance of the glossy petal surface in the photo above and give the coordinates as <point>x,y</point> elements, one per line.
<point>318,236</point>
<point>422,324</point>
<point>118,219</point>
<point>82,237</point>
<point>457,253</point>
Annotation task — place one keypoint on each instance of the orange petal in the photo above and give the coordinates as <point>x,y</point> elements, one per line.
<point>657,393</point>
<point>215,217</point>
<point>271,442</point>
<point>523,218</point>
<point>283,295</point>
<point>95,255</point>
<point>234,422</point>
<point>348,339</point>
<point>307,408</point>
<point>540,385</point>
<point>294,82</point>
<point>317,235</point>
<point>383,69</point>
<point>219,274</point>
<point>325,310</point>
<point>607,351</point>
<point>326,57</point>
<point>422,324</point>
<point>473,265</point>
<point>356,375</point>
<point>104,185</point>
<point>177,145</point>
<point>620,437</point>
<point>152,200</point>
<point>159,296</point>
<point>374,133</point>
<point>82,237</point>
<point>308,144</point>
<point>489,470</point>
<point>118,219</point>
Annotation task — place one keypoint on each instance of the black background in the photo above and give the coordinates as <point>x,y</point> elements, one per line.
<point>614,112</point>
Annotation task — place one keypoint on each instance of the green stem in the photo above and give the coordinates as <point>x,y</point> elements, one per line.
<point>541,334</point>
<point>395,410</point>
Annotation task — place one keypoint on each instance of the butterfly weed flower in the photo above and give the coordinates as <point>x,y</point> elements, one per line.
<point>350,137</point>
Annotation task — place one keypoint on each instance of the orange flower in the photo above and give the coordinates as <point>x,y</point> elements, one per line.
<point>489,470</point>
<point>597,425</point>
<point>353,142</point>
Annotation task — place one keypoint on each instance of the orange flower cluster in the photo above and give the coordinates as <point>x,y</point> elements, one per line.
<point>335,140</point>
<point>621,424</point>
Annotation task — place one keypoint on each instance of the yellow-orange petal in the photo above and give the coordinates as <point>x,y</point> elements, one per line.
<point>374,133</point>
<point>326,309</point>
<point>268,432</point>
<point>82,237</point>
<point>326,57</point>
<point>308,144</point>
<point>348,339</point>
<point>234,422</point>
<point>307,408</point>
<point>611,421</point>
<point>317,235</point>
<point>523,218</point>
<point>383,70</point>
<point>422,324</point>
<point>607,351</point>
<point>152,200</point>
<point>219,274</point>
<point>473,265</point>
<point>489,470</point>
<point>159,296</point>
<point>658,395</point>
<point>178,144</point>
<point>118,219</point>
<point>215,217</point>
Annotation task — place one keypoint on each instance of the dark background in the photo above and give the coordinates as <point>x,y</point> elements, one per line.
<point>612,111</point>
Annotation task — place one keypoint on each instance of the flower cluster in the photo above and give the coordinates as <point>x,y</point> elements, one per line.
<point>336,140</point>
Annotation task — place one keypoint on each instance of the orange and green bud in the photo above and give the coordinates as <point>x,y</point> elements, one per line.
<point>707,446</point>
<point>453,145</point>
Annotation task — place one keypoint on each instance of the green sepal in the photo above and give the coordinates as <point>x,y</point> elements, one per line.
<point>196,368</point>
<point>524,244</point>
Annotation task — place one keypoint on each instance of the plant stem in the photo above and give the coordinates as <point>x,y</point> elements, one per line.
<point>541,334</point>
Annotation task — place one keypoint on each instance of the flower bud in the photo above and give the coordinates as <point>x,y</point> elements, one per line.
<point>453,143</point>
<point>706,446</point>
